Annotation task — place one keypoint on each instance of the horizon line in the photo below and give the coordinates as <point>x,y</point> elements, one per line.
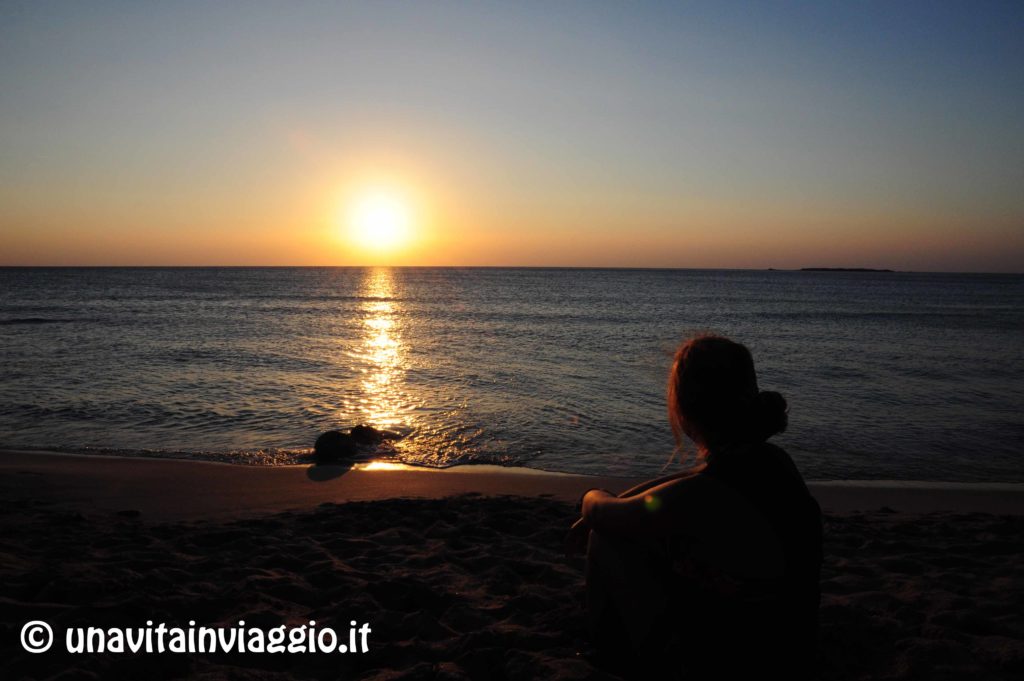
<point>812,268</point>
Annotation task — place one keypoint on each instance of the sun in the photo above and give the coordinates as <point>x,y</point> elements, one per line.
<point>380,220</point>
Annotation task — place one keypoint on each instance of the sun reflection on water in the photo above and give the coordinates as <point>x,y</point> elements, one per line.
<point>384,466</point>
<point>381,352</point>
<point>378,359</point>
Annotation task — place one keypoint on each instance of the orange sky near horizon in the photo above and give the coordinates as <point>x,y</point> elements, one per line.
<point>695,247</point>
<point>460,220</point>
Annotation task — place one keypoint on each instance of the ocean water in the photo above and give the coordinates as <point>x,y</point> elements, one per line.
<point>888,375</point>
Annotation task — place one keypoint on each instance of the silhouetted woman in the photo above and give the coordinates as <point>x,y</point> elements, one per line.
<point>712,573</point>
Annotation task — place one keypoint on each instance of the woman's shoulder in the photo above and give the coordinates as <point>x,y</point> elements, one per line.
<point>763,462</point>
<point>769,479</point>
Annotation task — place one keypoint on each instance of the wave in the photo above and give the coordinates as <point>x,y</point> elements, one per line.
<point>282,457</point>
<point>35,320</point>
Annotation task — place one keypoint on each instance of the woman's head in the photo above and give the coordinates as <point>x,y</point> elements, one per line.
<point>713,396</point>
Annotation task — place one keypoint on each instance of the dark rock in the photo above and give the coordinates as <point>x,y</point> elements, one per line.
<point>334,446</point>
<point>367,435</point>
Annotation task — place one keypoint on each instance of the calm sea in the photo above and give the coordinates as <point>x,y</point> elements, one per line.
<point>888,375</point>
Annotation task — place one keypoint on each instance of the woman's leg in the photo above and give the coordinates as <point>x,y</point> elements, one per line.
<point>627,601</point>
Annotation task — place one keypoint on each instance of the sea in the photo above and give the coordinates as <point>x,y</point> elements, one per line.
<point>888,375</point>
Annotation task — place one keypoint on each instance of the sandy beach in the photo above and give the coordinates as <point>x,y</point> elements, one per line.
<point>459,573</point>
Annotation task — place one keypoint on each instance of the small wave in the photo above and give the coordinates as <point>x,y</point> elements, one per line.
<point>291,457</point>
<point>33,320</point>
<point>245,457</point>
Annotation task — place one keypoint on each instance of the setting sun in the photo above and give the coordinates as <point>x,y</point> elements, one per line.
<point>380,220</point>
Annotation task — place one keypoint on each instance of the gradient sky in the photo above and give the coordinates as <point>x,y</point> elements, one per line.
<point>735,135</point>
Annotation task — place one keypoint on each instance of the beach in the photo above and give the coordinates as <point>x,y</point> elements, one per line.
<point>458,573</point>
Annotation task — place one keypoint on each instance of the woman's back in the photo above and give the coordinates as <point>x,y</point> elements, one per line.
<point>756,622</point>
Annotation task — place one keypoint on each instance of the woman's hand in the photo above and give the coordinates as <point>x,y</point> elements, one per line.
<point>579,533</point>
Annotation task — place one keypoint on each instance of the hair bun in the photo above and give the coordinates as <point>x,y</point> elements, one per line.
<point>773,413</point>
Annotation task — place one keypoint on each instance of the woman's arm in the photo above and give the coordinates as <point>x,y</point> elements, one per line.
<point>673,502</point>
<point>576,539</point>
<point>644,486</point>
<point>730,533</point>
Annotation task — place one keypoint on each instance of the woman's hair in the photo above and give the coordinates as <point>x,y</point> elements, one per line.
<point>713,395</point>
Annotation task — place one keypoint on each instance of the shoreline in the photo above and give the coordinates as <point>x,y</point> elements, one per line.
<point>153,486</point>
<point>381,464</point>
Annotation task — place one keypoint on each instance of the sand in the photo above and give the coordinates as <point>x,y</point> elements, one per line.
<point>461,577</point>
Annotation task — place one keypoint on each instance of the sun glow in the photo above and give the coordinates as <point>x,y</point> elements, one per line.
<point>380,220</point>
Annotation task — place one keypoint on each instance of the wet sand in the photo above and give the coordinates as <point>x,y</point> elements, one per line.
<point>459,573</point>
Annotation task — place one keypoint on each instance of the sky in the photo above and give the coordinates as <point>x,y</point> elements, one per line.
<point>606,134</point>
